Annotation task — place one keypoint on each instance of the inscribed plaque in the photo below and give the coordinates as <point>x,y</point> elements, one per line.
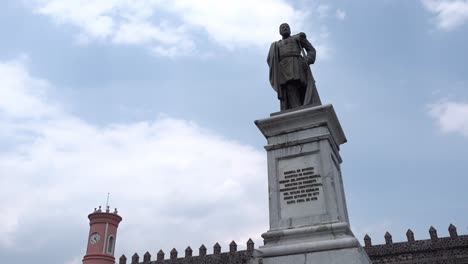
<point>300,187</point>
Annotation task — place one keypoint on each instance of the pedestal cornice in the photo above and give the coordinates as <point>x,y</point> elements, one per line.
<point>302,119</point>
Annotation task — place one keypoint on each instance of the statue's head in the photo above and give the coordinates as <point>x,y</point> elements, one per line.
<point>284,30</point>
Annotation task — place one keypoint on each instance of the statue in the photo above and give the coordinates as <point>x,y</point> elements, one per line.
<point>290,74</point>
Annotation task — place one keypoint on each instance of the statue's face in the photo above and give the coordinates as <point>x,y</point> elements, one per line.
<point>284,30</point>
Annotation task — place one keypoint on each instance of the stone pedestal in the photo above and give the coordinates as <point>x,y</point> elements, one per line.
<point>308,215</point>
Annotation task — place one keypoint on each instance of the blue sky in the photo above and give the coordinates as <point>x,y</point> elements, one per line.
<point>154,101</point>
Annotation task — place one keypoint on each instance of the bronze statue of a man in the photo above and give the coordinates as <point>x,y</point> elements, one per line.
<point>290,74</point>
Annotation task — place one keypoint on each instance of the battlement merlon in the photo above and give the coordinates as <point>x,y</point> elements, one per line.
<point>232,257</point>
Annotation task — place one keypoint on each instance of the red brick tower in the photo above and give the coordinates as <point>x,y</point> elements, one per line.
<point>102,236</point>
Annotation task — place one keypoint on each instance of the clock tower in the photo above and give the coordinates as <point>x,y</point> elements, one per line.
<point>102,236</point>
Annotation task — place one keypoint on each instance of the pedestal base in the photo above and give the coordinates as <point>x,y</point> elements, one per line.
<point>308,216</point>
<point>339,256</point>
<point>328,243</point>
<point>307,239</point>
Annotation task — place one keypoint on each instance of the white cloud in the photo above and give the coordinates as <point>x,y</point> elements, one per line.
<point>18,100</point>
<point>340,14</point>
<point>175,182</point>
<point>449,13</point>
<point>451,117</point>
<point>238,23</point>
<point>165,25</point>
<point>323,10</point>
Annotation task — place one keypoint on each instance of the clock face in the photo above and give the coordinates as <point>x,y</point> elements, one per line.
<point>94,238</point>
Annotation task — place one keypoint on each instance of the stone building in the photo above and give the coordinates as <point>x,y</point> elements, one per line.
<point>446,250</point>
<point>452,249</point>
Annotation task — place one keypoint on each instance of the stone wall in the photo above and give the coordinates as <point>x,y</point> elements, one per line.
<point>452,249</point>
<point>231,257</point>
<point>446,250</point>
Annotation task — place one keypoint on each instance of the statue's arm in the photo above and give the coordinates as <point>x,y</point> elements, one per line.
<point>271,62</point>
<point>311,52</point>
<point>270,54</point>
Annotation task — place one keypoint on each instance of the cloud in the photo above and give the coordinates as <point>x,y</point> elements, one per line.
<point>175,182</point>
<point>323,10</point>
<point>450,14</point>
<point>166,26</point>
<point>238,23</point>
<point>18,100</point>
<point>340,14</point>
<point>451,117</point>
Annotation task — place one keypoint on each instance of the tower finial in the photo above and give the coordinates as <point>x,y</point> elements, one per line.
<point>107,202</point>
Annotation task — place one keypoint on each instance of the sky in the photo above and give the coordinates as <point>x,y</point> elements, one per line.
<point>154,101</point>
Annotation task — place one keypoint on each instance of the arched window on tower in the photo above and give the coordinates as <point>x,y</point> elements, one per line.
<point>110,245</point>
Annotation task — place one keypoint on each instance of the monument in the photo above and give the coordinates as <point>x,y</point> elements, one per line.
<point>290,75</point>
<point>308,215</point>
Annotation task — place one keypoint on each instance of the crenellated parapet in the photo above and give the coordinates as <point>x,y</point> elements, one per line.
<point>233,256</point>
<point>448,250</point>
<point>452,249</point>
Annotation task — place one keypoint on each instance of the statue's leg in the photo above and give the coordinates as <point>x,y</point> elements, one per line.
<point>284,98</point>
<point>294,95</point>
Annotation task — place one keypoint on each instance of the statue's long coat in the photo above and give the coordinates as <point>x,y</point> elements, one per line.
<point>284,68</point>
